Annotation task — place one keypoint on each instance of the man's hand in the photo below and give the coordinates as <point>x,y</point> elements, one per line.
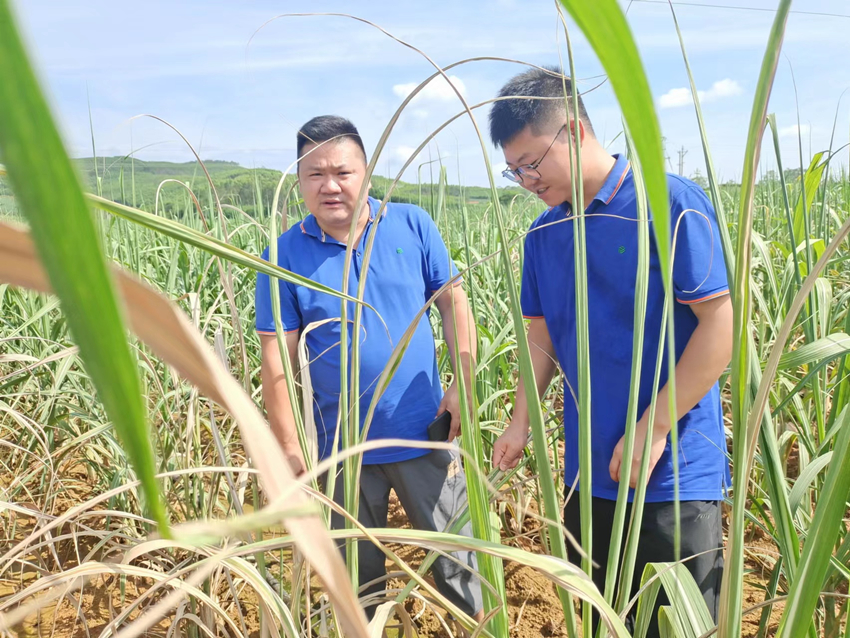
<point>508,448</point>
<point>276,397</point>
<point>659,443</point>
<point>461,341</point>
<point>451,404</point>
<point>293,454</point>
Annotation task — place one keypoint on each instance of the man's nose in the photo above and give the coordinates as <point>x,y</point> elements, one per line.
<point>330,185</point>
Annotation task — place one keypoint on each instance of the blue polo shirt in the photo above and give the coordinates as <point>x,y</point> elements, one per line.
<point>699,274</point>
<point>409,262</point>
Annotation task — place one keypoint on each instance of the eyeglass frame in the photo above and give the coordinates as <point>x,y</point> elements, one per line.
<point>519,171</point>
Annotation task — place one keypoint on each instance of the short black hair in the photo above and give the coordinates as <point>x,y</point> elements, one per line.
<point>327,127</point>
<point>509,117</point>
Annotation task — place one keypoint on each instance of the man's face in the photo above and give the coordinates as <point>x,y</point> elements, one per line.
<point>527,148</point>
<point>330,177</point>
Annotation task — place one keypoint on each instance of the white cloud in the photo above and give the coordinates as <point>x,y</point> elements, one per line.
<point>437,90</point>
<point>682,96</point>
<point>720,89</point>
<point>404,152</point>
<point>794,131</point>
<point>674,98</point>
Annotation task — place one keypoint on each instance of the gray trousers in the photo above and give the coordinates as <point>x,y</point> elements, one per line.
<point>432,489</point>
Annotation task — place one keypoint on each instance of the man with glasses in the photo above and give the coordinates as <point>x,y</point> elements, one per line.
<point>535,137</point>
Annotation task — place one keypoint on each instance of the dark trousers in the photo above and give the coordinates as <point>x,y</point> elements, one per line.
<point>701,530</point>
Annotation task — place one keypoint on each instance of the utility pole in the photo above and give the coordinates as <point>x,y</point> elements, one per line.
<point>682,153</point>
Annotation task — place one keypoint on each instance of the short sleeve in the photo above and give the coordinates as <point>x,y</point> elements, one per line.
<point>438,264</point>
<point>289,315</point>
<point>699,270</point>
<point>529,293</point>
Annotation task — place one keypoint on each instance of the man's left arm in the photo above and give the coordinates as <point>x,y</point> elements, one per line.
<point>704,359</point>
<point>462,342</point>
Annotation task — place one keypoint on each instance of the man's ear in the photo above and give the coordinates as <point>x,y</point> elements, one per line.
<point>581,130</point>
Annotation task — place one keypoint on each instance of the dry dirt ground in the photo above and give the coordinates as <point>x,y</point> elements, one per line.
<point>534,607</point>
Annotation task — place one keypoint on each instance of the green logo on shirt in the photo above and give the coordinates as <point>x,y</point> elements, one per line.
<point>399,250</point>
<point>622,249</point>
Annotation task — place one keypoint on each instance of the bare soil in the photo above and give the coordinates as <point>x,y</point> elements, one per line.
<point>88,608</point>
<point>534,606</point>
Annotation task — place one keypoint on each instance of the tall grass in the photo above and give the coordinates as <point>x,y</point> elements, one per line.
<point>73,458</point>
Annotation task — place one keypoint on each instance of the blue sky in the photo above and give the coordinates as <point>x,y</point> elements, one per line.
<point>240,94</point>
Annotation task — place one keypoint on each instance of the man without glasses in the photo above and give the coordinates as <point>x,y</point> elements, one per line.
<point>533,133</point>
<point>409,262</point>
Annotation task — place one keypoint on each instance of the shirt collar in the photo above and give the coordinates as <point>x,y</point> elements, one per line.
<point>611,186</point>
<point>373,209</point>
<point>614,180</point>
<point>310,225</point>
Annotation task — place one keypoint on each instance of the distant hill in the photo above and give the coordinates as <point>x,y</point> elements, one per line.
<point>135,183</point>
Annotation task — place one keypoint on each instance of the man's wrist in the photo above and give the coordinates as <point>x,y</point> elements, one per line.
<point>466,380</point>
<point>467,361</point>
<point>521,425</point>
<point>661,423</point>
<point>289,442</point>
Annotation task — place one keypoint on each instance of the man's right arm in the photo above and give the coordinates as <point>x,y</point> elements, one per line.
<point>276,396</point>
<point>508,448</point>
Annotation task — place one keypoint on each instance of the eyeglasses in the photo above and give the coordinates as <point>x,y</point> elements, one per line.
<point>530,170</point>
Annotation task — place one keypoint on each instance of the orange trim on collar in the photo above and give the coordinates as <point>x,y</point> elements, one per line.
<point>620,183</point>
<point>383,213</point>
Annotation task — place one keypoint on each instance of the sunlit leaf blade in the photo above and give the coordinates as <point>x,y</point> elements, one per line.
<point>806,478</point>
<point>812,178</point>
<point>212,245</point>
<point>817,550</point>
<point>687,606</point>
<point>171,336</point>
<point>47,189</point>
<point>729,621</point>
<point>830,347</point>
<point>604,25</point>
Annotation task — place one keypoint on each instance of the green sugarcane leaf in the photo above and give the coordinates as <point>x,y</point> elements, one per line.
<point>813,177</point>
<point>743,366</point>
<point>805,480</point>
<point>713,181</point>
<point>831,347</point>
<point>817,550</point>
<point>213,246</point>
<point>46,187</point>
<point>688,612</point>
<point>604,25</point>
